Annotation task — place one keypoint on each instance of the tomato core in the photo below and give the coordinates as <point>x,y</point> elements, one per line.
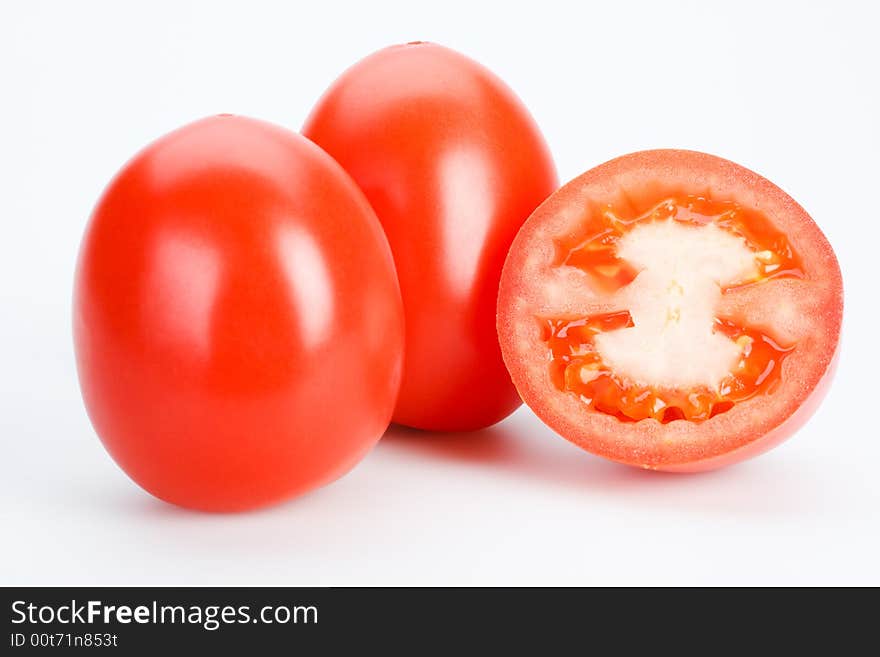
<point>754,250</point>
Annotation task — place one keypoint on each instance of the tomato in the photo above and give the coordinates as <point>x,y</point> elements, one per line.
<point>671,310</point>
<point>453,164</point>
<point>237,321</point>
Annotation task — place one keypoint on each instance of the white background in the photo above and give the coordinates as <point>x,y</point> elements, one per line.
<point>787,89</point>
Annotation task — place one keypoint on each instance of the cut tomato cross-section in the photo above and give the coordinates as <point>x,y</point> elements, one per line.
<point>671,310</point>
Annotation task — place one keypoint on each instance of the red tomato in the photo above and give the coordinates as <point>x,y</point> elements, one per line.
<point>453,164</point>
<point>671,310</point>
<point>237,319</point>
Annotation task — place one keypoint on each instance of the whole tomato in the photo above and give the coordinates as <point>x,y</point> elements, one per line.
<point>453,164</point>
<point>237,319</point>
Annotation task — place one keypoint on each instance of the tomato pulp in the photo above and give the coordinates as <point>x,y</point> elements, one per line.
<point>671,310</point>
<point>453,164</point>
<point>237,319</point>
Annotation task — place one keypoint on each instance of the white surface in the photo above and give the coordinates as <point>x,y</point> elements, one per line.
<point>789,89</point>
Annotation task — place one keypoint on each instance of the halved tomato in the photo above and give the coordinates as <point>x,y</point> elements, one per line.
<point>671,310</point>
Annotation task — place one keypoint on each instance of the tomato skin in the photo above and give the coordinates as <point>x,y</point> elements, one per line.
<point>237,320</point>
<point>805,313</point>
<point>453,164</point>
<point>771,439</point>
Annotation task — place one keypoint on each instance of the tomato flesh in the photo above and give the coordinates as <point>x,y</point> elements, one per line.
<point>576,365</point>
<point>594,249</point>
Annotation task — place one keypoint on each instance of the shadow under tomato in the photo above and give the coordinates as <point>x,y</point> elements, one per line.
<point>523,447</point>
<point>504,447</point>
<point>509,447</point>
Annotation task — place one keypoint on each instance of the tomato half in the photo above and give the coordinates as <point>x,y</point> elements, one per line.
<point>671,310</point>
<point>237,320</point>
<point>453,164</point>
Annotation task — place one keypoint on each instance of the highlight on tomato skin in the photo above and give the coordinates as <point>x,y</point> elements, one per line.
<point>671,310</point>
<point>453,164</point>
<point>238,325</point>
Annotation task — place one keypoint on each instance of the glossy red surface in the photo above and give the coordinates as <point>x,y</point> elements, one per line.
<point>453,164</point>
<point>237,320</point>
